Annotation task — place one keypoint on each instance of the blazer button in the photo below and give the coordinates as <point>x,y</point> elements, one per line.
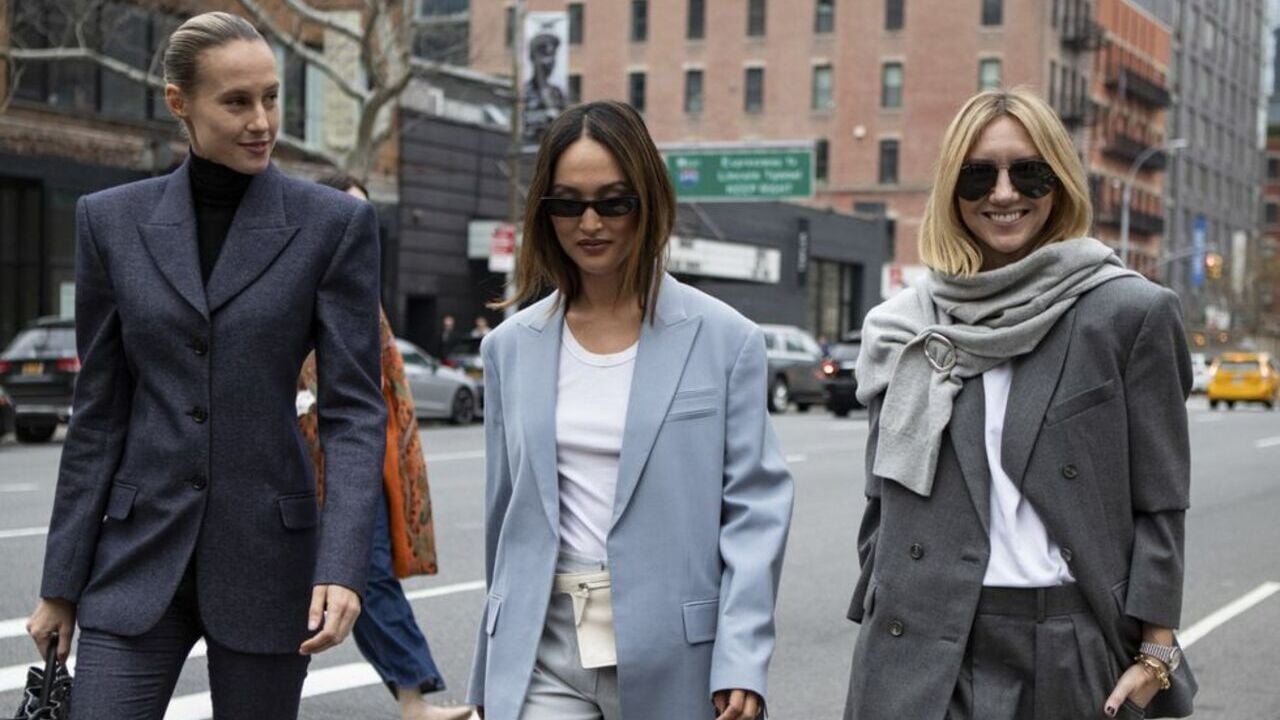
<point>896,628</point>
<point>199,414</point>
<point>1070,472</point>
<point>199,346</point>
<point>917,551</point>
<point>199,482</point>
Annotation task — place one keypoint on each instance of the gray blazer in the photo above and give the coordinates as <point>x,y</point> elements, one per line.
<point>700,518</point>
<point>184,442</point>
<point>1096,439</point>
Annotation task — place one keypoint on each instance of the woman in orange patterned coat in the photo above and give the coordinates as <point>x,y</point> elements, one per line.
<point>404,540</point>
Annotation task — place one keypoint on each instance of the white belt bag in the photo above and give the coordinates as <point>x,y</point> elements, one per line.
<point>592,615</point>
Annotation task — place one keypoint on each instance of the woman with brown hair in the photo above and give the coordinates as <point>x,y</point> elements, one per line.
<point>1028,466</point>
<point>637,504</point>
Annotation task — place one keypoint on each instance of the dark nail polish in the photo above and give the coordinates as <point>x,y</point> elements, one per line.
<point>1111,712</point>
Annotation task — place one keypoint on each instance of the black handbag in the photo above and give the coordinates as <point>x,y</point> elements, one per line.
<point>47,695</point>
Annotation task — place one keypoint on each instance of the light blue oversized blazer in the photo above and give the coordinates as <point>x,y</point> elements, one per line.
<point>700,519</point>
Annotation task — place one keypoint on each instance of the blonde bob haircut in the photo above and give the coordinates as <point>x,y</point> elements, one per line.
<point>946,244</point>
<point>542,264</point>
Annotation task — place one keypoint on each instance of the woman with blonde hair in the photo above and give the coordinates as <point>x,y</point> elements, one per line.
<point>1027,465</point>
<point>636,504</point>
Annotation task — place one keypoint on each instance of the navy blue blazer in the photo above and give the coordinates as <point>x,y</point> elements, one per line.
<point>183,445</point>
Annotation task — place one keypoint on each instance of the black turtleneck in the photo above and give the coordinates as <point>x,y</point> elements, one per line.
<point>216,191</point>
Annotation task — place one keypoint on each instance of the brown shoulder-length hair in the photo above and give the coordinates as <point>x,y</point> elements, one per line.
<point>542,263</point>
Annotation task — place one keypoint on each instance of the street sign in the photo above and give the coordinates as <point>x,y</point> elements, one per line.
<point>1198,232</point>
<point>502,249</point>
<point>741,172</point>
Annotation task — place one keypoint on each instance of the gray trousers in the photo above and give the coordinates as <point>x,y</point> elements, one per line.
<point>1036,654</point>
<point>132,678</point>
<point>560,689</point>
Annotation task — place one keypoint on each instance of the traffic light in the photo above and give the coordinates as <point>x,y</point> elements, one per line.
<point>1213,265</point>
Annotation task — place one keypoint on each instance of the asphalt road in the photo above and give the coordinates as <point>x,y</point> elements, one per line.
<point>1231,607</point>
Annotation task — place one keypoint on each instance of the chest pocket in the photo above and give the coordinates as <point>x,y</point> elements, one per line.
<point>692,404</point>
<point>1081,402</point>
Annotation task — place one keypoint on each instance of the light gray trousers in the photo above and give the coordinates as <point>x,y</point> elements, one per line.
<point>560,689</point>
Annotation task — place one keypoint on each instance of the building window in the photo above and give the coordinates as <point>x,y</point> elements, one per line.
<point>821,159</point>
<point>888,162</point>
<point>891,85</point>
<point>696,23</point>
<point>1273,168</point>
<point>575,88</point>
<point>755,18</point>
<point>509,31</point>
<point>639,20</point>
<point>1273,213</point>
<point>992,13</point>
<point>989,74</point>
<point>824,16</point>
<point>894,13</point>
<point>753,99</point>
<point>635,90</point>
<point>575,23</point>
<point>693,91</point>
<point>822,97</point>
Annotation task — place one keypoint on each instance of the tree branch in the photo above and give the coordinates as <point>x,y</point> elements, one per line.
<point>80,53</point>
<point>310,14</point>
<point>301,49</point>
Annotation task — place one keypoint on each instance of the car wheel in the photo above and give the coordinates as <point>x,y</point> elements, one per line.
<point>802,407</point>
<point>464,408</point>
<point>1231,404</point>
<point>842,411</point>
<point>779,396</point>
<point>1213,404</point>
<point>35,432</point>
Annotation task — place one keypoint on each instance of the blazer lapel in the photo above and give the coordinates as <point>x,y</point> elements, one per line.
<point>1035,377</point>
<point>169,236</point>
<point>968,436</point>
<point>257,235</point>
<point>538,360</point>
<point>664,347</point>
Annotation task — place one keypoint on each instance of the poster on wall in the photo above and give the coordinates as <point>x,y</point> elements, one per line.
<point>544,70</point>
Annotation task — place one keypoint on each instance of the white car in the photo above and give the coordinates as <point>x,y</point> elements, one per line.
<point>439,391</point>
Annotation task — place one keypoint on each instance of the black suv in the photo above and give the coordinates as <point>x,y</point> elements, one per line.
<point>38,370</point>
<point>842,382</point>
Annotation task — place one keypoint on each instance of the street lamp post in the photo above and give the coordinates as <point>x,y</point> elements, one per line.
<point>1172,146</point>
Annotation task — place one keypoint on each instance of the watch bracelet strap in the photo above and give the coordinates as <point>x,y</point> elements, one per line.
<point>1163,653</point>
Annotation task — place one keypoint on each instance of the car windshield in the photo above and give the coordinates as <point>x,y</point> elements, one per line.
<point>60,341</point>
<point>1238,366</point>
<point>845,351</point>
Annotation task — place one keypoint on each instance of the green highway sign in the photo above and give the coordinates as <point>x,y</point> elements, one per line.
<point>741,172</point>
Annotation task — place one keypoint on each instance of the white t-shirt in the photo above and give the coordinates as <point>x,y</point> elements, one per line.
<point>1022,555</point>
<point>591,413</point>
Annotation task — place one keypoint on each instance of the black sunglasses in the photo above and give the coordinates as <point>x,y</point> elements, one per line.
<point>1032,178</point>
<point>608,207</point>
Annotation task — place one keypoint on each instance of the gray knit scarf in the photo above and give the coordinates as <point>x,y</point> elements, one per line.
<point>919,346</point>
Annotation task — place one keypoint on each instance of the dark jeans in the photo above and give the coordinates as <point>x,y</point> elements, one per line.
<point>386,632</point>
<point>132,678</point>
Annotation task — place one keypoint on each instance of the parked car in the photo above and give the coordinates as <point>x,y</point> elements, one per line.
<point>1200,374</point>
<point>1245,377</point>
<point>440,391</point>
<point>6,414</point>
<point>841,380</point>
<point>38,371</point>
<point>795,368</point>
<point>464,354</point>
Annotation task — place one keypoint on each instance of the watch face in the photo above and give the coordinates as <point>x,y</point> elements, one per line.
<point>1175,659</point>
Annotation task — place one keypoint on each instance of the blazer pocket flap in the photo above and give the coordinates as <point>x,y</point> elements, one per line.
<point>869,602</point>
<point>694,403</point>
<point>492,608</point>
<point>700,618</point>
<point>1081,402</point>
<point>120,501</point>
<point>299,512</point>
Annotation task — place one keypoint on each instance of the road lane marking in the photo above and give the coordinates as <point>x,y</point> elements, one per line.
<point>23,532</point>
<point>446,457</point>
<point>197,706</point>
<point>1267,442</point>
<point>796,458</point>
<point>1225,613</point>
<point>18,487</point>
<point>14,677</point>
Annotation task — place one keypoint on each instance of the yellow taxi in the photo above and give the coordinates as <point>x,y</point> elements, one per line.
<point>1244,377</point>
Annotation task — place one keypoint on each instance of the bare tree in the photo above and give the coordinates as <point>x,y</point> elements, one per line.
<point>379,33</point>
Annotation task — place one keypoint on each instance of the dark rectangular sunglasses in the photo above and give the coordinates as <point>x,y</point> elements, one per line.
<point>1032,178</point>
<point>607,207</point>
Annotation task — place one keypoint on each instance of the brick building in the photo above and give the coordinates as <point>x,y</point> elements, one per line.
<point>873,83</point>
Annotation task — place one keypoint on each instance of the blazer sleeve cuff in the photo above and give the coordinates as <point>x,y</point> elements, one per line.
<point>1154,593</point>
<point>738,678</point>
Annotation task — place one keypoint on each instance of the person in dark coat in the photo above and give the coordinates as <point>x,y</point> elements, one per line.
<point>186,504</point>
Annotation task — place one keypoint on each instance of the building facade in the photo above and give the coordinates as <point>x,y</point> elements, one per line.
<point>871,83</point>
